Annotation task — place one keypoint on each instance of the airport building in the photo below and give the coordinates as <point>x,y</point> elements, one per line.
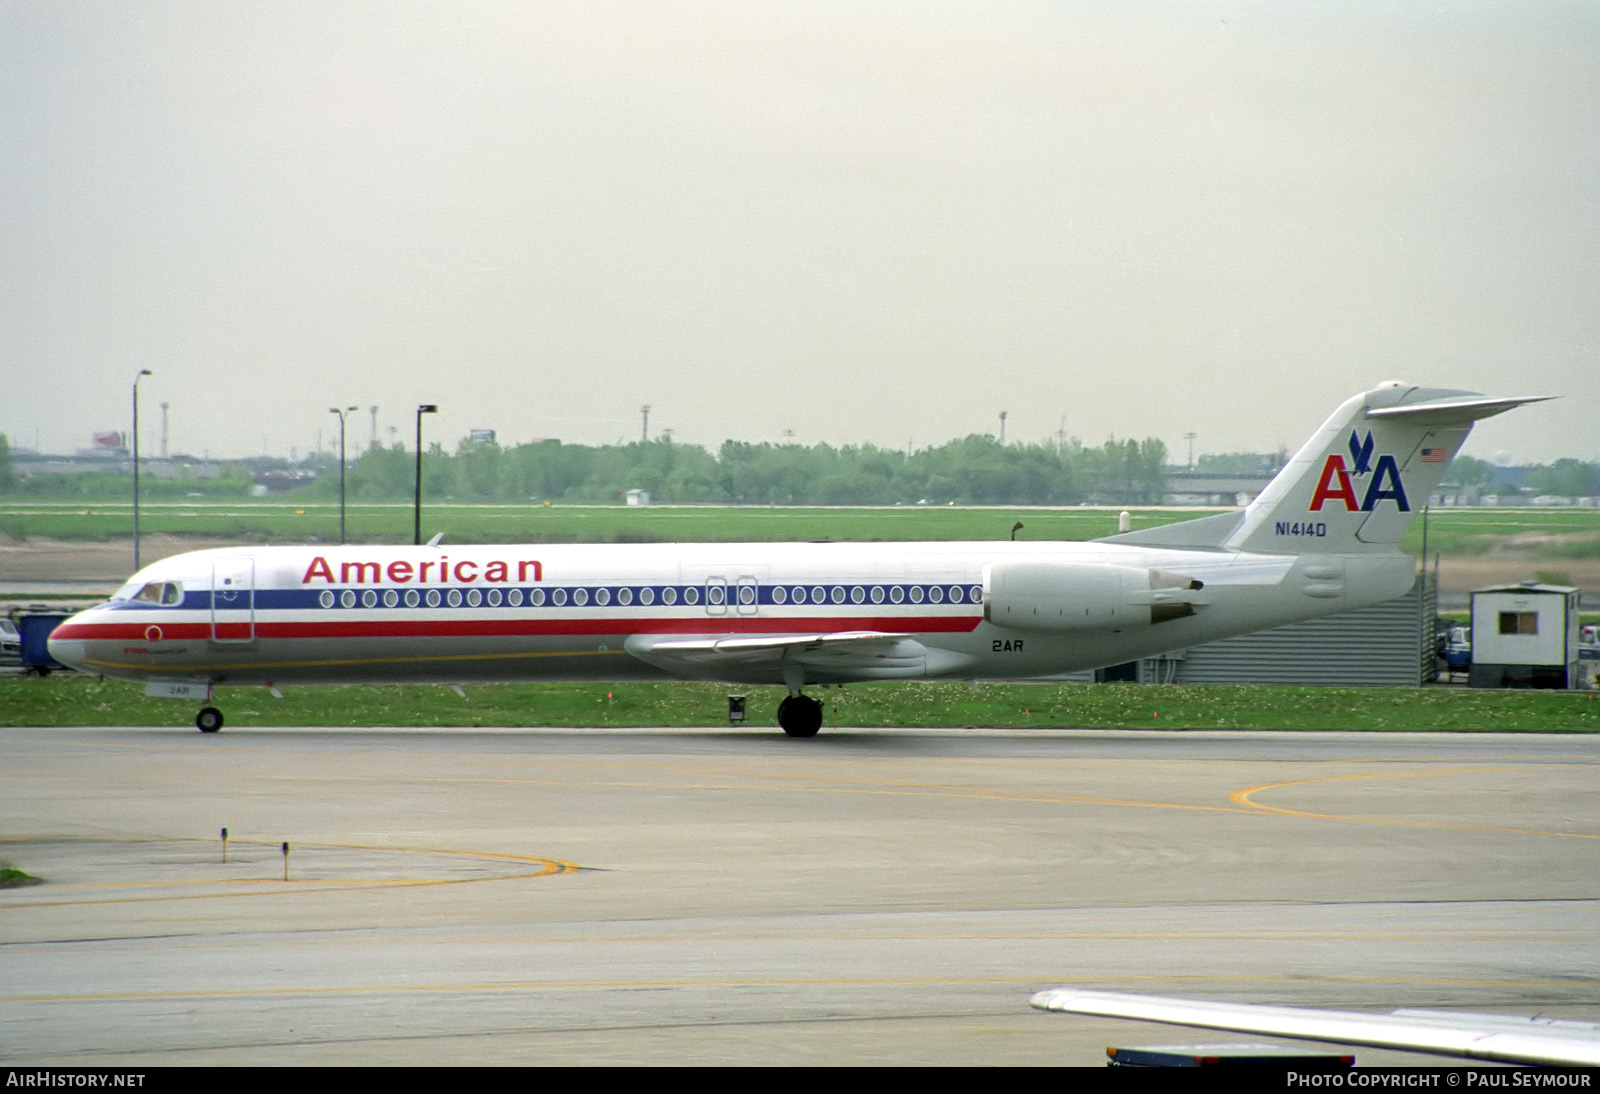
<point>1525,636</point>
<point>1387,645</point>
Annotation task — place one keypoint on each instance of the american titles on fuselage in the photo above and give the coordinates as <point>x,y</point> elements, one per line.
<point>402,570</point>
<point>745,592</point>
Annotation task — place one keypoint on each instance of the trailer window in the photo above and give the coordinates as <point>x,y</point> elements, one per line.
<point>1519,622</point>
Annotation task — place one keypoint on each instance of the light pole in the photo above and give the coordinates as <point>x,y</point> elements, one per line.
<point>142,374</point>
<point>341,413</point>
<point>416,508</point>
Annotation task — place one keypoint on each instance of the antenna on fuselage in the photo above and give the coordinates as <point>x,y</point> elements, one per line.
<point>434,542</point>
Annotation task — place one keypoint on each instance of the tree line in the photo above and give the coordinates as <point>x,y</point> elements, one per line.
<point>1568,478</point>
<point>974,470</point>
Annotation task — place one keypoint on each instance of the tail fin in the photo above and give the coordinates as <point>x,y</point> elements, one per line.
<point>1360,480</point>
<point>1358,483</point>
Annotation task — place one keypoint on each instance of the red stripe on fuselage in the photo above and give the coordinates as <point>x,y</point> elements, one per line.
<point>130,632</point>
<point>491,628</point>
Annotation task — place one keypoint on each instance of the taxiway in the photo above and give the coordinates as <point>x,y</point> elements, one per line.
<point>732,896</point>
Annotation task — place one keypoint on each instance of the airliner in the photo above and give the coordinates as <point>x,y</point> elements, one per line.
<point>1321,538</point>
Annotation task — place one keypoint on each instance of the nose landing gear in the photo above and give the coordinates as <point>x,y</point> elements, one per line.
<point>209,720</point>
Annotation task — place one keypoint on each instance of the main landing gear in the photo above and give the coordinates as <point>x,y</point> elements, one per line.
<point>800,716</point>
<point>209,720</point>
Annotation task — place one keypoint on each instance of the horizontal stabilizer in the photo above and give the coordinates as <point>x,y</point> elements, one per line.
<point>1212,531</point>
<point>1443,412</point>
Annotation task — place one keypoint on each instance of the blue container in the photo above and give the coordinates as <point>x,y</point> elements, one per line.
<point>34,629</point>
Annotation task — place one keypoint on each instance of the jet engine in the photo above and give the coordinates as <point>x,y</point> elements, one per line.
<point>1068,596</point>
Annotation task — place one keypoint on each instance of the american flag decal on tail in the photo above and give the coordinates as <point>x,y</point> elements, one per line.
<point>1433,455</point>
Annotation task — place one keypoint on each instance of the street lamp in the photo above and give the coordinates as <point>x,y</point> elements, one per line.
<point>142,374</point>
<point>416,508</point>
<point>341,413</point>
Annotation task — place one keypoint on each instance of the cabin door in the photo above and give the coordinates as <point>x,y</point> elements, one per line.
<point>233,600</point>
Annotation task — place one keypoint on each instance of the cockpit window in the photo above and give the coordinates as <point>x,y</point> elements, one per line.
<point>155,592</point>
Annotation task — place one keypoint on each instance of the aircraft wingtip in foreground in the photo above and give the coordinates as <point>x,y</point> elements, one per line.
<point>1500,1038</point>
<point>1321,538</point>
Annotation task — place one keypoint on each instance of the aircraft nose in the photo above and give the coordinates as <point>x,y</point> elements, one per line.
<point>64,646</point>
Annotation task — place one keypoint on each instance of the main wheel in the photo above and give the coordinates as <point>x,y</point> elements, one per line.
<point>800,716</point>
<point>209,720</point>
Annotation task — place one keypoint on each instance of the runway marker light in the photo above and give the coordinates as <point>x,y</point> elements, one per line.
<point>285,860</point>
<point>224,846</point>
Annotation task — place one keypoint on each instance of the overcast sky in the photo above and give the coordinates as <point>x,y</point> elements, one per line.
<point>856,221</point>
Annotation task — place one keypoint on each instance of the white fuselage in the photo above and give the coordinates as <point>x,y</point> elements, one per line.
<point>734,612</point>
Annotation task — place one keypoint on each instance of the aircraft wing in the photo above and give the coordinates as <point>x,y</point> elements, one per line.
<point>1503,1038</point>
<point>859,654</point>
<point>756,649</point>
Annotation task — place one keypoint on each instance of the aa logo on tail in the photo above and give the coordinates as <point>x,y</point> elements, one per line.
<point>1336,485</point>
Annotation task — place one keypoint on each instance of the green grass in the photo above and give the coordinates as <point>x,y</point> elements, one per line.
<point>72,700</point>
<point>1471,531</point>
<point>278,521</point>
<point>1450,531</point>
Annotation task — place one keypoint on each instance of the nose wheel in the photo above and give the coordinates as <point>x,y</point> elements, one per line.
<point>209,720</point>
<point>800,716</point>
